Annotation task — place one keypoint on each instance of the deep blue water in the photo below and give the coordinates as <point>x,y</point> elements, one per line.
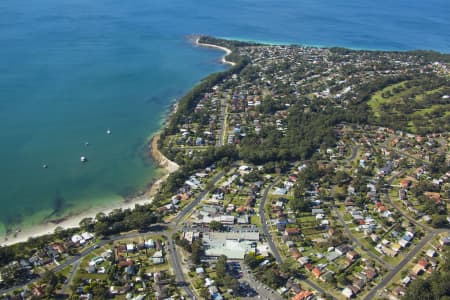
<point>71,69</point>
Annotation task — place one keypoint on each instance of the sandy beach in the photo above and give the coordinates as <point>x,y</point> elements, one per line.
<point>227,51</point>
<point>72,221</point>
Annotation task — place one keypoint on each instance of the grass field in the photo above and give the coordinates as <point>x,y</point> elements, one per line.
<point>415,106</point>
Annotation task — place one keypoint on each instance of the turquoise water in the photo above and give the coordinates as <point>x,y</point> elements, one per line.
<point>71,69</point>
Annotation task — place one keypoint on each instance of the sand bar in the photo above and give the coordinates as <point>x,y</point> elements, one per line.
<point>227,51</point>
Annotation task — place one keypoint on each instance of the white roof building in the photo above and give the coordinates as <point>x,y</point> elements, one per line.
<point>130,247</point>
<point>76,238</point>
<point>87,236</point>
<point>347,292</point>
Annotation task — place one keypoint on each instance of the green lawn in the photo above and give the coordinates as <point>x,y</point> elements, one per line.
<point>376,100</point>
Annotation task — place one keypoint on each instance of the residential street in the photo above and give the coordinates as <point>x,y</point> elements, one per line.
<point>387,278</point>
<point>270,241</point>
<point>357,242</point>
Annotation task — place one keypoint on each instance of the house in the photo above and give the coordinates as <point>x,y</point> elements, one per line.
<point>396,247</point>
<point>226,220</point>
<point>281,227</point>
<point>417,270</point>
<point>309,267</point>
<point>130,247</point>
<point>370,273</point>
<point>59,247</point>
<point>76,238</point>
<point>303,295</point>
<point>444,241</point>
<point>293,177</point>
<point>352,255</point>
<point>316,272</point>
<point>331,256</point>
<point>436,197</point>
<point>149,244</point>
<point>423,263</point>
<point>200,271</point>
<point>291,231</point>
<point>125,263</point>
<point>388,251</point>
<point>87,236</point>
<point>355,289</point>
<point>406,281</point>
<point>157,258</point>
<point>403,243</point>
<point>405,183</point>
<point>359,284</point>
<point>295,254</point>
<point>399,291</point>
<point>316,211</point>
<point>382,209</point>
<point>280,191</point>
<point>320,216</point>
<point>38,292</point>
<point>374,237</point>
<point>430,253</point>
<point>347,292</point>
<point>327,276</point>
<point>343,249</point>
<point>290,244</point>
<point>303,260</point>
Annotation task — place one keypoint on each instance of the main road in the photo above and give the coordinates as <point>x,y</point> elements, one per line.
<point>168,232</point>
<point>188,208</point>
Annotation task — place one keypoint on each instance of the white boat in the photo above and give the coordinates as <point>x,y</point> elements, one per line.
<point>83,159</point>
<point>108,131</point>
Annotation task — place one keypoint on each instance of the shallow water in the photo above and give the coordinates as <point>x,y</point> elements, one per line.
<point>70,70</point>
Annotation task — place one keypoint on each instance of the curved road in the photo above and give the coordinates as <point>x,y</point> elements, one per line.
<point>172,249</point>
<point>188,208</point>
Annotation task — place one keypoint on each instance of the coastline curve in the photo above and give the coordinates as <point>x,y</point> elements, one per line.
<point>226,50</point>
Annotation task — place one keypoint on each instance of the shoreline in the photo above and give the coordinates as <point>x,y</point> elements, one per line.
<point>167,166</point>
<point>226,50</point>
<point>72,221</point>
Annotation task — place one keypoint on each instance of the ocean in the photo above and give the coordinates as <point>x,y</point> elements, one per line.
<point>72,69</point>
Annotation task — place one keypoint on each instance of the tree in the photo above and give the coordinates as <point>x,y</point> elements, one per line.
<point>300,204</point>
<point>196,251</point>
<point>437,286</point>
<point>221,266</point>
<point>87,224</point>
<point>272,278</point>
<point>101,228</point>
<point>216,226</point>
<point>419,289</point>
<point>251,260</point>
<point>341,178</point>
<point>99,291</point>
<point>230,282</point>
<point>439,221</point>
